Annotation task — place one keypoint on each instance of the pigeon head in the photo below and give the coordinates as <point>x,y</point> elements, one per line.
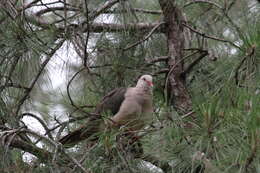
<point>145,81</point>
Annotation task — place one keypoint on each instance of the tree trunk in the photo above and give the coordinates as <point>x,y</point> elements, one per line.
<point>177,93</point>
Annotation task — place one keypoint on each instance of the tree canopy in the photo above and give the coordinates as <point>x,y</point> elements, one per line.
<point>59,58</point>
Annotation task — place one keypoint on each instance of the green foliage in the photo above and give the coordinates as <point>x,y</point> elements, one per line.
<point>224,87</point>
<point>227,131</point>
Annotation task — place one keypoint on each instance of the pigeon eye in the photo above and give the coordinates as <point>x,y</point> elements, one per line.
<point>144,79</point>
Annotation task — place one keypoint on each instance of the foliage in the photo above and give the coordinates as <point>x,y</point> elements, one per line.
<point>59,58</point>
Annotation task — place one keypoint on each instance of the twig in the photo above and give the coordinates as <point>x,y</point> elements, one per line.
<point>156,12</point>
<point>202,1</point>
<point>196,61</point>
<point>13,85</point>
<point>231,5</point>
<point>35,150</point>
<point>40,121</point>
<point>47,10</point>
<point>68,88</point>
<point>108,4</point>
<point>29,5</point>
<point>187,114</point>
<point>11,71</point>
<point>170,71</point>
<point>54,12</point>
<point>85,155</point>
<point>93,27</point>
<point>75,161</point>
<point>252,51</point>
<point>211,37</point>
<point>162,71</point>
<point>145,38</point>
<point>253,154</point>
<point>87,38</point>
<point>13,134</point>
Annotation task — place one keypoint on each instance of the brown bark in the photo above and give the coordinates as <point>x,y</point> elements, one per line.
<point>177,93</point>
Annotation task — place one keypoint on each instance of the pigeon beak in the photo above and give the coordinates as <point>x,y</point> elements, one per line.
<point>150,83</point>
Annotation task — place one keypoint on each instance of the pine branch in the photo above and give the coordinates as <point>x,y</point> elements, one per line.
<point>44,155</point>
<point>251,53</point>
<point>43,65</point>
